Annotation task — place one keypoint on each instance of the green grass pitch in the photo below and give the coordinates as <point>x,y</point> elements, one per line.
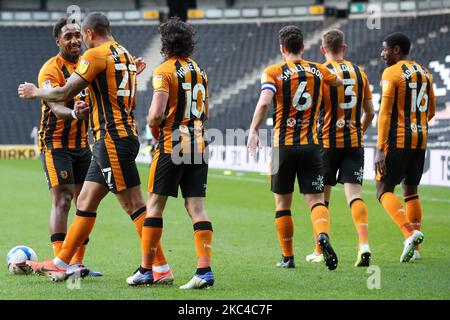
<point>245,245</point>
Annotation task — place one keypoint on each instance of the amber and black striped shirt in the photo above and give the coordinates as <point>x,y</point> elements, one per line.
<point>407,101</point>
<point>297,85</point>
<point>186,112</point>
<point>111,73</point>
<point>57,133</point>
<point>341,109</point>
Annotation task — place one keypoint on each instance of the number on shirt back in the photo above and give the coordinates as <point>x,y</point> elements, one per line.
<point>191,99</point>
<point>348,92</point>
<point>129,73</point>
<point>301,93</point>
<point>416,99</point>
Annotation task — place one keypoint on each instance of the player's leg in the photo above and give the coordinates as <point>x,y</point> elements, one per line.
<point>283,172</point>
<point>310,174</point>
<point>396,162</point>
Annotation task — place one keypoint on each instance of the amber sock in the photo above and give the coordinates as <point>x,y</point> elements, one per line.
<point>414,212</point>
<point>360,219</point>
<point>394,208</point>
<point>285,232</point>
<point>79,231</point>
<point>151,235</point>
<point>203,234</point>
<point>57,240</point>
<point>79,254</point>
<point>320,218</point>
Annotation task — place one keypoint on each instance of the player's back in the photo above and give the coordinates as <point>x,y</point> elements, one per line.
<point>111,73</point>
<point>55,133</point>
<point>342,106</point>
<point>186,112</point>
<point>411,87</point>
<point>298,93</point>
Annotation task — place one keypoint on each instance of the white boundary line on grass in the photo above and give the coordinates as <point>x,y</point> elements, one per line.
<point>220,176</point>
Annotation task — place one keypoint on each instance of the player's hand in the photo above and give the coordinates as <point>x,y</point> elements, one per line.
<point>140,64</point>
<point>81,109</point>
<point>380,162</point>
<point>27,91</point>
<point>253,143</point>
<point>155,132</point>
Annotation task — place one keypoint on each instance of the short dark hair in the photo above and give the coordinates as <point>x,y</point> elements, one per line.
<point>291,37</point>
<point>333,40</point>
<point>98,22</point>
<point>57,28</point>
<point>177,38</point>
<point>398,39</point>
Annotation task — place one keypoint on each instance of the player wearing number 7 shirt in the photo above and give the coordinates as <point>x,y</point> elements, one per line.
<point>110,72</point>
<point>295,85</point>
<point>342,137</point>
<point>178,111</point>
<point>407,104</point>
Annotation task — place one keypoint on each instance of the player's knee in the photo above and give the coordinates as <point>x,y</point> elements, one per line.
<point>62,201</point>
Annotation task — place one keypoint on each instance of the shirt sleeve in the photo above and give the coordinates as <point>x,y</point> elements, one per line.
<point>161,80</point>
<point>329,77</point>
<point>387,103</point>
<point>432,102</point>
<point>48,77</point>
<point>90,65</point>
<point>268,80</point>
<point>388,84</point>
<point>366,84</point>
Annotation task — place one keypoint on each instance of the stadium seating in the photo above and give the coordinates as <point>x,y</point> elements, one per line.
<point>228,52</point>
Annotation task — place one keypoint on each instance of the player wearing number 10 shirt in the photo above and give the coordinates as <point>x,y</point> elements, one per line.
<point>407,104</point>
<point>295,87</point>
<point>342,129</point>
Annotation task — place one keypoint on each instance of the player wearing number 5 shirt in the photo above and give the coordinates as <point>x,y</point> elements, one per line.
<point>407,104</point>
<point>295,86</point>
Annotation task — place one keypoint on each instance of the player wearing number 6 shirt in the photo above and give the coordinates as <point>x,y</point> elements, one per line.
<point>178,110</point>
<point>295,85</point>
<point>110,72</point>
<point>407,104</point>
<point>342,136</point>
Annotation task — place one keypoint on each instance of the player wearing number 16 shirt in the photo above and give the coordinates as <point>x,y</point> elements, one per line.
<point>342,129</point>
<point>295,86</point>
<point>407,104</point>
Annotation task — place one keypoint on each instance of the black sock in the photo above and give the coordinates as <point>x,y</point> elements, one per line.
<point>202,271</point>
<point>286,259</point>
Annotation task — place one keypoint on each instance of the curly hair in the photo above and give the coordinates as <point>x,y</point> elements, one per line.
<point>291,37</point>
<point>177,38</point>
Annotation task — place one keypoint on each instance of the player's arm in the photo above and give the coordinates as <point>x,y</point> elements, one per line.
<point>80,110</point>
<point>432,105</point>
<point>157,108</point>
<point>75,84</point>
<point>259,116</point>
<point>369,114</point>
<point>330,77</point>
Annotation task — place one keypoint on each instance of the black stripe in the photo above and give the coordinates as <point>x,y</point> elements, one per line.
<point>314,108</point>
<point>318,205</point>
<point>181,103</point>
<point>287,104</point>
<point>86,214</point>
<point>51,127</point>
<point>428,107</point>
<point>120,100</point>
<point>407,110</point>
<point>354,200</point>
<point>57,237</point>
<point>86,242</point>
<point>109,125</point>
<point>203,225</point>
<point>321,121</point>
<point>153,222</point>
<point>70,104</point>
<point>411,198</point>
<point>347,112</point>
<point>101,116</point>
<point>359,104</point>
<point>418,113</point>
<point>138,213</point>
<point>334,112</point>
<point>192,117</point>
<point>282,213</point>
<point>392,137</point>
<point>299,114</point>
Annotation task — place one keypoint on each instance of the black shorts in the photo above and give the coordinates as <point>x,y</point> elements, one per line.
<point>65,166</point>
<point>349,162</point>
<point>403,165</point>
<point>165,177</point>
<point>114,163</point>
<point>303,162</point>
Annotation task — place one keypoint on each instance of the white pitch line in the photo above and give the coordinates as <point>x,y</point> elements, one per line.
<point>432,199</point>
